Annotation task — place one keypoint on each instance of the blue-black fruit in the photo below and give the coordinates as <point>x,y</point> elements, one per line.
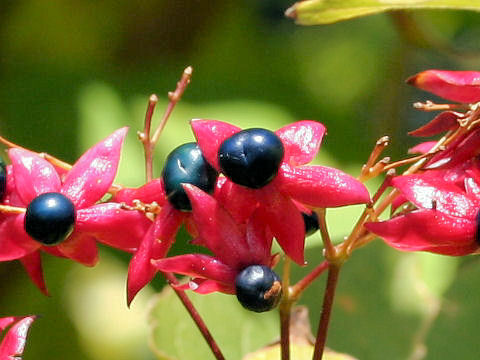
<point>186,165</point>
<point>311,223</point>
<point>50,218</point>
<point>3,179</point>
<point>251,157</point>
<point>258,288</point>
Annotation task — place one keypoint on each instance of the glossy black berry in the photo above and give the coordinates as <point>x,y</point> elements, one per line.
<point>311,223</point>
<point>3,179</point>
<point>258,288</point>
<point>186,165</point>
<point>50,218</point>
<point>251,157</point>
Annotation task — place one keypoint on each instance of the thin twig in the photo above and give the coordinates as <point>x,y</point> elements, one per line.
<point>149,142</point>
<point>174,98</point>
<point>330,250</point>
<point>144,137</point>
<point>12,209</point>
<point>172,280</point>
<point>299,287</point>
<point>380,145</point>
<point>321,339</point>
<point>431,106</point>
<point>285,311</point>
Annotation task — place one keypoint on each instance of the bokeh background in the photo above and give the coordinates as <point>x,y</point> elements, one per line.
<point>73,71</point>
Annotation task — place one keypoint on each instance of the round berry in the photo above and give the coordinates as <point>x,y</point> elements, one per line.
<point>50,218</point>
<point>3,179</point>
<point>258,288</point>
<point>251,157</point>
<point>311,223</point>
<point>186,165</point>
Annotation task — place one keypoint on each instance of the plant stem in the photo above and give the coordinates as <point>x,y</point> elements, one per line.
<point>330,250</point>
<point>297,289</point>
<point>332,280</point>
<point>285,310</point>
<point>12,209</point>
<point>172,280</point>
<point>145,137</point>
<point>174,97</point>
<point>148,141</point>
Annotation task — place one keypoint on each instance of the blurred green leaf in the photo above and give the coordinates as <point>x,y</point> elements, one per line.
<point>236,330</point>
<point>455,333</point>
<point>420,280</point>
<point>315,12</point>
<point>96,303</point>
<point>102,112</point>
<point>298,351</point>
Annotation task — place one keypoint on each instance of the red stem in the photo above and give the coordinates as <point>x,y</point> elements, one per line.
<point>332,280</point>
<point>285,311</point>
<point>285,330</point>
<point>300,286</point>
<point>145,137</point>
<point>172,280</point>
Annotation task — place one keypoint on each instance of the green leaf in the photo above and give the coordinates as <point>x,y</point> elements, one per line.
<point>298,351</point>
<point>102,112</point>
<point>455,333</point>
<point>237,331</point>
<point>316,12</point>
<point>419,280</point>
<point>95,299</point>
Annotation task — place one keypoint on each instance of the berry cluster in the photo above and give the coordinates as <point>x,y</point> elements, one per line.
<point>235,190</point>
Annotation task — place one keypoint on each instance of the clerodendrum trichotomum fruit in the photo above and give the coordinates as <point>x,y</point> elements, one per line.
<point>50,218</point>
<point>251,157</point>
<point>3,179</point>
<point>186,165</point>
<point>258,288</point>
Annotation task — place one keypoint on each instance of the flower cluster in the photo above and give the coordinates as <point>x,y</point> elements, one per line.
<point>438,209</point>
<point>234,190</point>
<point>58,211</point>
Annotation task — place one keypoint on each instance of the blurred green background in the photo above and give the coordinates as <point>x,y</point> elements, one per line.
<point>73,71</point>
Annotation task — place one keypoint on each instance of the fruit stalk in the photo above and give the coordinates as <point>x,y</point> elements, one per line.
<point>172,280</point>
<point>285,311</point>
<point>321,339</point>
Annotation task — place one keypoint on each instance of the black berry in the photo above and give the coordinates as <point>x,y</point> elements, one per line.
<point>311,223</point>
<point>251,157</point>
<point>258,288</point>
<point>186,165</point>
<point>50,218</point>
<point>3,179</point>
